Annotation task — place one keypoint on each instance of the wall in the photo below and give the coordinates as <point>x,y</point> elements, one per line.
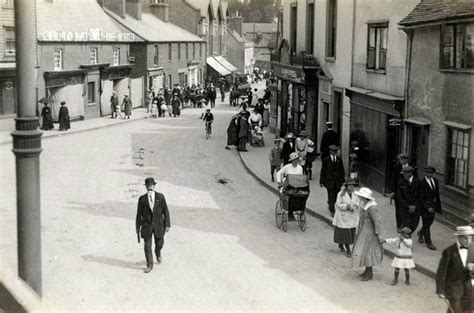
<point>236,54</point>
<point>7,19</point>
<point>184,16</point>
<point>393,80</point>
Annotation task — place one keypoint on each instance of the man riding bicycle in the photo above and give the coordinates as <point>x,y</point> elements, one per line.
<point>208,118</point>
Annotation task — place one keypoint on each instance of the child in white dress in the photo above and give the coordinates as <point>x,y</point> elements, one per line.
<point>164,108</point>
<point>404,257</point>
<point>154,109</point>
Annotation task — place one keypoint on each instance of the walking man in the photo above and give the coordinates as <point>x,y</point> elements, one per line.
<point>153,219</point>
<point>330,137</point>
<point>401,163</point>
<point>428,195</point>
<point>211,95</point>
<point>332,176</point>
<point>114,103</point>
<point>407,198</point>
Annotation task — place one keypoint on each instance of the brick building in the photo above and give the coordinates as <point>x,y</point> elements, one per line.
<point>83,56</point>
<point>7,58</point>
<point>168,55</point>
<point>241,51</point>
<point>440,97</point>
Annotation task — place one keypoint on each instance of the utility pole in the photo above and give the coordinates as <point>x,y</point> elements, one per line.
<point>27,147</point>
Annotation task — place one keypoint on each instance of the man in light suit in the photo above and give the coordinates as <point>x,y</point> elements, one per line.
<point>452,276</point>
<point>153,218</point>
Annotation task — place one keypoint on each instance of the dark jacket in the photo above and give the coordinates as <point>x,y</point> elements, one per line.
<point>407,193</point>
<point>332,173</point>
<point>427,197</point>
<point>286,150</point>
<point>396,176</point>
<point>452,276</point>
<point>64,118</point>
<point>330,137</point>
<point>148,221</point>
<point>211,94</point>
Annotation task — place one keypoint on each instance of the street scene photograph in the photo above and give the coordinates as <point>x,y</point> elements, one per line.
<point>237,156</point>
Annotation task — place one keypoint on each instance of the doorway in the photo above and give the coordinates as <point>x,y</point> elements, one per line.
<point>418,146</point>
<point>393,148</point>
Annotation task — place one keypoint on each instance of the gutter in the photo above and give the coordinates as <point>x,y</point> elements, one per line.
<point>410,33</point>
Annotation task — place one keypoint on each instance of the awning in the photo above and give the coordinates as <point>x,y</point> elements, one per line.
<point>226,63</point>
<point>217,66</point>
<point>418,121</point>
<point>457,125</point>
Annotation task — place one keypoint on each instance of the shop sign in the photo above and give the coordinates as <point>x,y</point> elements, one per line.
<point>9,85</point>
<point>63,81</point>
<point>116,73</point>
<point>395,122</point>
<point>94,34</point>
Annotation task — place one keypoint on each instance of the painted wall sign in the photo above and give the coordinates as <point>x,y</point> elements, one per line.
<point>94,34</point>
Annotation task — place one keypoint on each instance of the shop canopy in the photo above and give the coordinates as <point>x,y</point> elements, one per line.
<point>225,63</point>
<point>212,62</point>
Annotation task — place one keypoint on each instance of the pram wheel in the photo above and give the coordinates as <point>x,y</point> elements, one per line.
<point>284,221</point>
<point>278,214</point>
<point>302,221</point>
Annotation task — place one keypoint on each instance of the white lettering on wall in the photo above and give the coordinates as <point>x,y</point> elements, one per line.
<point>94,34</point>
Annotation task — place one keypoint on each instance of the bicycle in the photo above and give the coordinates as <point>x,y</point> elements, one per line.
<point>208,130</point>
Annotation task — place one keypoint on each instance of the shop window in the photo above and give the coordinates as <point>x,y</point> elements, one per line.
<point>10,42</point>
<point>331,28</point>
<point>458,157</point>
<point>457,46</point>
<point>170,52</point>
<point>91,92</point>
<point>116,56</point>
<point>377,46</point>
<point>170,81</point>
<point>156,55</point>
<point>8,4</point>
<point>93,56</point>
<point>58,59</point>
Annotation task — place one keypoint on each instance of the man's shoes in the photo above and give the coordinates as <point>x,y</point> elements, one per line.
<point>407,282</point>
<point>367,277</point>
<point>227,147</point>
<point>159,259</point>
<point>430,246</point>
<point>420,238</point>
<point>148,269</point>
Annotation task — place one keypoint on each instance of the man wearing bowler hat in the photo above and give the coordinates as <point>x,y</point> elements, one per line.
<point>407,199</point>
<point>330,137</point>
<point>153,219</point>
<point>332,176</point>
<point>429,204</point>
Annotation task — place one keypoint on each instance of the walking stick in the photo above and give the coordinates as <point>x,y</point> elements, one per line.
<point>450,308</point>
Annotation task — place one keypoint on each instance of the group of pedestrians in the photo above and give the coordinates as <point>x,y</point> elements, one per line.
<point>63,117</point>
<point>116,108</point>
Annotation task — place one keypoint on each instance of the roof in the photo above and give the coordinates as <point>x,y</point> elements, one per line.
<point>259,27</point>
<point>201,5</point>
<point>432,11</point>
<point>78,20</point>
<point>237,36</point>
<point>151,28</point>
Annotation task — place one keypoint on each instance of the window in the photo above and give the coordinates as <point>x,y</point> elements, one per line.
<point>170,52</point>
<point>293,16</point>
<point>116,56</point>
<point>8,4</point>
<point>181,78</point>
<point>93,56</point>
<point>187,51</point>
<point>58,59</point>
<point>200,50</point>
<point>331,29</point>
<point>179,51</point>
<point>457,46</point>
<point>310,29</point>
<point>458,153</point>
<point>10,41</point>
<point>91,92</point>
<point>194,50</point>
<point>156,55</point>
<point>377,46</point>
<point>170,81</point>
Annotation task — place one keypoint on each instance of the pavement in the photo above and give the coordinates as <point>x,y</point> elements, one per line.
<point>257,163</point>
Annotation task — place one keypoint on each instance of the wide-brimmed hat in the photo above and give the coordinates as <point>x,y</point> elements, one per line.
<point>293,156</point>
<point>150,181</point>
<point>350,181</point>
<point>329,123</point>
<point>464,231</point>
<point>430,169</point>
<point>63,102</point>
<point>407,169</point>
<point>289,136</point>
<point>365,193</point>
<point>332,148</point>
<point>208,109</point>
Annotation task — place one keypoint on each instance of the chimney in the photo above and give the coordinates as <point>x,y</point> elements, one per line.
<point>116,6</point>
<point>160,10</point>
<point>134,9</point>
<point>236,24</point>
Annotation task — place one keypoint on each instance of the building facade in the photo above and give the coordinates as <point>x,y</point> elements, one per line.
<point>440,97</point>
<point>241,52</point>
<point>7,59</point>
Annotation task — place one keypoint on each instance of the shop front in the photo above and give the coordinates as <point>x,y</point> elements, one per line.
<point>376,123</point>
<point>7,89</point>
<point>156,79</point>
<point>68,86</point>
<point>114,78</point>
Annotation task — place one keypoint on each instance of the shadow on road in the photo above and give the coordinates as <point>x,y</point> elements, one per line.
<point>115,262</point>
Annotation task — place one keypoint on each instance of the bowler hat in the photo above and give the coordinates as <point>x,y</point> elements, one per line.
<point>63,102</point>
<point>293,156</point>
<point>329,123</point>
<point>464,231</point>
<point>407,169</point>
<point>150,181</point>
<point>364,193</point>
<point>430,168</point>
<point>355,143</point>
<point>402,156</point>
<point>350,181</point>
<point>333,148</point>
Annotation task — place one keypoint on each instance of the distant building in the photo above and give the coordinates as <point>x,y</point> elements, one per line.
<point>440,108</point>
<point>241,51</point>
<point>264,35</point>
<point>7,59</point>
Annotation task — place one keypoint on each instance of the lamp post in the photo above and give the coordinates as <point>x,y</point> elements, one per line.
<point>27,147</point>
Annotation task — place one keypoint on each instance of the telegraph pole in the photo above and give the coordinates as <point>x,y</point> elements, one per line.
<point>27,147</point>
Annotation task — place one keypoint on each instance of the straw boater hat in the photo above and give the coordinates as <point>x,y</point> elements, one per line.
<point>289,136</point>
<point>464,231</point>
<point>150,181</point>
<point>276,140</point>
<point>364,193</point>
<point>293,156</point>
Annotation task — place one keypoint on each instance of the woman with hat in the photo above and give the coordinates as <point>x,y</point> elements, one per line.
<point>367,251</point>
<point>64,123</point>
<point>301,147</point>
<point>127,105</point>
<point>288,148</point>
<point>346,217</point>
<point>266,113</point>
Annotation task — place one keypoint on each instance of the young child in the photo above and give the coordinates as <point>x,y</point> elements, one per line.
<point>275,158</point>
<point>164,108</point>
<point>154,109</point>
<point>404,255</point>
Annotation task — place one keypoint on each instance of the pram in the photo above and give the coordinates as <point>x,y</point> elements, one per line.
<point>257,139</point>
<point>292,203</point>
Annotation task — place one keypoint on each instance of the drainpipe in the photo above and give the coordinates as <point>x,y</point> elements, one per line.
<point>410,34</point>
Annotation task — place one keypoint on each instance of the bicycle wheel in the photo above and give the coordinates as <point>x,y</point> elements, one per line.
<point>278,214</point>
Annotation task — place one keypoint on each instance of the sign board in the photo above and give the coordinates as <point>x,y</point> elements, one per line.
<point>93,34</point>
<point>395,122</point>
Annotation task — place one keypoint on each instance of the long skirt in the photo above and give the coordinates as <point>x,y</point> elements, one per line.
<point>266,117</point>
<point>367,250</point>
<point>242,144</point>
<point>344,236</point>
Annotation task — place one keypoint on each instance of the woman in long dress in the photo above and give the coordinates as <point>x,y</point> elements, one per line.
<point>368,250</point>
<point>266,113</point>
<point>64,123</point>
<point>176,105</point>
<point>346,217</point>
<point>47,118</point>
<point>127,104</point>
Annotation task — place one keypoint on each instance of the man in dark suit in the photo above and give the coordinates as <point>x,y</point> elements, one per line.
<point>407,198</point>
<point>402,162</point>
<point>332,176</point>
<point>153,218</point>
<point>211,95</point>
<point>429,204</point>
<point>288,148</point>
<point>452,276</point>
<point>330,137</point>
